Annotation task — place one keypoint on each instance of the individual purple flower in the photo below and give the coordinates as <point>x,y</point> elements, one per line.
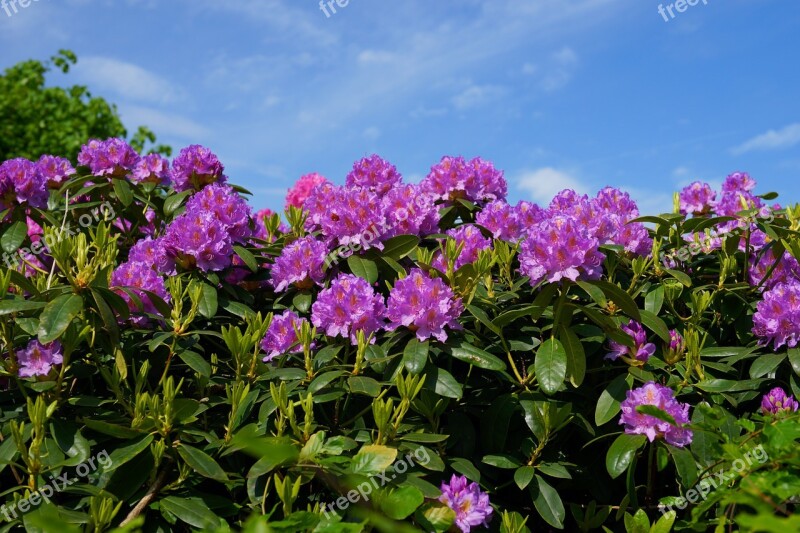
<point>466,499</point>
<point>697,198</point>
<point>349,305</point>
<point>560,248</point>
<point>732,203</point>
<point>198,240</point>
<point>301,264</point>
<point>642,349</point>
<point>676,348</point>
<point>112,157</point>
<point>152,253</point>
<point>195,167</point>
<point>302,189</point>
<point>475,180</point>
<point>151,168</point>
<point>227,206</point>
<point>617,202</point>
<point>777,401</point>
<point>659,396</point>
<point>424,305</point>
<point>635,238</point>
<point>21,182</point>
<point>738,182</point>
<point>375,174</point>
<point>139,277</point>
<point>777,316</point>
<point>316,203</point>
<point>528,215</point>
<point>408,211</point>
<point>473,241</point>
<point>502,220</point>
<point>38,359</point>
<point>353,216</point>
<point>282,335</point>
<point>787,269</point>
<point>55,170</point>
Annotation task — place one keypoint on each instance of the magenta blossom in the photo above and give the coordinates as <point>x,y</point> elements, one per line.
<point>21,182</point>
<point>502,220</point>
<point>301,264</point>
<point>195,167</point>
<point>38,359</point>
<point>697,198</point>
<point>55,170</point>
<point>470,504</point>
<point>637,423</point>
<point>409,211</point>
<point>777,318</point>
<point>473,243</point>
<point>151,168</point>
<point>642,349</point>
<point>301,190</point>
<point>424,305</point>
<point>375,174</point>
<point>476,180</point>
<point>112,157</point>
<point>777,401</point>
<point>138,278</point>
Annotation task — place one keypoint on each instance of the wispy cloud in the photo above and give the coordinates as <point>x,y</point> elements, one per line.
<point>544,183</point>
<point>168,125</point>
<point>477,95</point>
<point>126,80</point>
<point>771,140</point>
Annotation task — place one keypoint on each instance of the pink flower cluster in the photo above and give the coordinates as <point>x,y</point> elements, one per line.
<point>301,190</point>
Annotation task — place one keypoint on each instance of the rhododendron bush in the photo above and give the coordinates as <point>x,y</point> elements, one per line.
<point>387,356</point>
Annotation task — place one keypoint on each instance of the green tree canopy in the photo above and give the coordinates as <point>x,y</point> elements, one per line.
<point>36,120</point>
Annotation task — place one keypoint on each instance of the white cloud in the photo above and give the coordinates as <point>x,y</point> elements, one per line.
<point>164,124</point>
<point>771,140</point>
<point>127,80</point>
<point>367,57</point>
<point>477,95</point>
<point>543,184</point>
<point>560,71</point>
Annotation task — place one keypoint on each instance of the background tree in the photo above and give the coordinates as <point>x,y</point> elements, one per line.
<point>36,120</point>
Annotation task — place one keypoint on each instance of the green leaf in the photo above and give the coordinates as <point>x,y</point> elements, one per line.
<point>122,455</point>
<point>523,476</point>
<point>794,360</point>
<point>551,365</point>
<point>765,364</point>
<point>680,276</point>
<point>14,236</point>
<point>654,300</point>
<point>399,247</point>
<point>401,503</point>
<point>17,305</point>
<point>208,301</point>
<point>608,405</point>
<point>247,258</point>
<point>193,511</point>
<point>477,357</point>
<point>501,461</point>
<point>620,298</point>
<point>202,463</point>
<point>655,412</point>
<point>548,503</point>
<point>483,318</point>
<point>655,324</point>
<point>196,362</point>
<point>363,268</point>
<point>173,202</point>
<point>576,356</point>
<point>123,191</point>
<point>444,384</point>
<point>373,459</point>
<point>664,524</point>
<point>595,293</point>
<point>415,356</point>
<point>57,316</point>
<point>364,385</point>
<point>435,517</point>
<point>622,452</point>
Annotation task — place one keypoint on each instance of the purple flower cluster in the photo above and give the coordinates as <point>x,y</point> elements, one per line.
<point>151,168</point>
<point>282,335</point>
<point>301,264</point>
<point>139,277</point>
<point>424,305</point>
<point>473,243</point>
<point>786,271</point>
<point>466,499</point>
<point>347,215</point>
<point>301,190</point>
<point>697,199</point>
<point>374,173</point>
<point>642,424</point>
<point>227,206</point>
<point>560,248</point>
<point>112,157</point>
<point>408,211</point>
<point>349,305</point>
<point>38,359</point>
<point>504,221</point>
<point>22,182</point>
<point>777,318</point>
<point>55,170</point>
<point>642,349</point>
<point>195,167</point>
<point>476,180</point>
<point>777,401</point>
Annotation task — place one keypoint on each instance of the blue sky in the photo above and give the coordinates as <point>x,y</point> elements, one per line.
<point>558,93</point>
